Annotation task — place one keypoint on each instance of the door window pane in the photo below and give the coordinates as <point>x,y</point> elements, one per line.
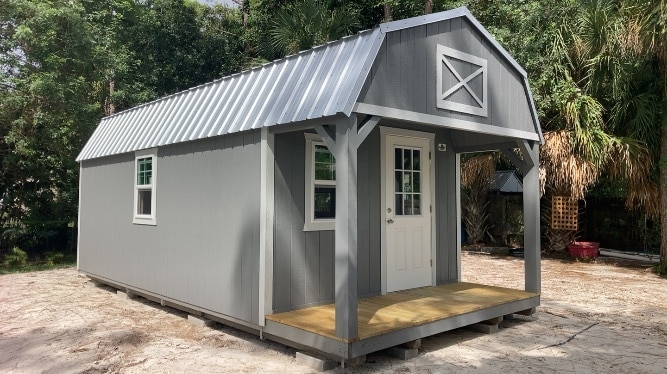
<point>398,158</point>
<point>416,205</point>
<point>407,181</point>
<point>416,159</point>
<point>407,159</point>
<point>398,205</point>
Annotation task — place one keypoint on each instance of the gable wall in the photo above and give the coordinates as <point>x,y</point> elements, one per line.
<point>205,248</point>
<point>404,75</point>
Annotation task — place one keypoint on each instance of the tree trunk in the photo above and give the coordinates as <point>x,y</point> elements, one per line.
<point>110,106</point>
<point>387,11</point>
<point>428,6</point>
<point>663,186</point>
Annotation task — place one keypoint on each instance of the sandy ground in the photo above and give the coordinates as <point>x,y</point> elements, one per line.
<point>597,317</point>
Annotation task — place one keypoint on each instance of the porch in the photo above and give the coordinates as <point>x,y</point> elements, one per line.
<point>398,317</point>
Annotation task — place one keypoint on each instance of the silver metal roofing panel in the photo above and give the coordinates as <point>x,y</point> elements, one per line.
<point>310,84</point>
<point>320,82</point>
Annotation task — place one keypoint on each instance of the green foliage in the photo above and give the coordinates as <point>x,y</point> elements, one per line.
<point>660,269</point>
<point>306,23</point>
<point>63,65</point>
<point>15,258</point>
<point>54,258</point>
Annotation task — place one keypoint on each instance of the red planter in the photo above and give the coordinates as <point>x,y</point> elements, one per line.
<point>584,249</point>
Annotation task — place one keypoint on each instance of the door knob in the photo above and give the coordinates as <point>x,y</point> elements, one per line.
<point>390,220</point>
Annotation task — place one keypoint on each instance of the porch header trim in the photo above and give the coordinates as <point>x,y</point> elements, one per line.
<point>450,123</point>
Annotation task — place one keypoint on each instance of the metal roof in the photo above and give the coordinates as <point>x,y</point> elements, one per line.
<point>506,181</point>
<point>319,82</point>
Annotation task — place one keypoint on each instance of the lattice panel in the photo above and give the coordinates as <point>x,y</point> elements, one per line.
<point>564,213</point>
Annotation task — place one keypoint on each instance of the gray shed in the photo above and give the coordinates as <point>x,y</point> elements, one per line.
<point>315,199</point>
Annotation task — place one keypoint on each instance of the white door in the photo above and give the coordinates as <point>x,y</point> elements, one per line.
<point>408,212</point>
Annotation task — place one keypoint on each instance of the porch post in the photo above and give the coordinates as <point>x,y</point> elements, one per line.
<point>531,216</point>
<point>345,273</point>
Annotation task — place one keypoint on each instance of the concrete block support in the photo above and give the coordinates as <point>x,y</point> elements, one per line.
<point>414,344</point>
<point>315,362</point>
<point>125,294</point>
<point>402,353</point>
<point>355,361</point>
<point>483,328</point>
<point>200,321</point>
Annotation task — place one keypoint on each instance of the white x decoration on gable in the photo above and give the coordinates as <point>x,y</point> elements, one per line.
<point>461,85</point>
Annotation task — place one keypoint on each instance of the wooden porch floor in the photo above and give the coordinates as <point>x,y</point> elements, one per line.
<point>398,310</point>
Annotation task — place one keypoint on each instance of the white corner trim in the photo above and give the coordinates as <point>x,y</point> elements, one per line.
<point>78,222</point>
<point>266,228</point>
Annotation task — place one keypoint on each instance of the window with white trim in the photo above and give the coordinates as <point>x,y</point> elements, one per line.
<point>320,188</point>
<point>145,180</point>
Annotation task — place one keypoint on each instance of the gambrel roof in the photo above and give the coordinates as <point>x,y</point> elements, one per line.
<point>320,82</point>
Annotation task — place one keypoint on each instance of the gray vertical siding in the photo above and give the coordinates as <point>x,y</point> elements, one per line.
<point>403,75</point>
<point>446,184</point>
<point>304,260</point>
<point>205,248</point>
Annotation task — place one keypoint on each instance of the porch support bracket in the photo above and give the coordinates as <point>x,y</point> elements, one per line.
<point>328,135</point>
<point>365,129</point>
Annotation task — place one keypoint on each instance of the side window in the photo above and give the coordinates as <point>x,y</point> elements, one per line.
<point>320,188</point>
<point>145,178</point>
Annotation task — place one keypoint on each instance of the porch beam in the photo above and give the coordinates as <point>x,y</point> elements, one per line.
<point>485,147</point>
<point>345,272</point>
<point>328,136</point>
<point>531,219</point>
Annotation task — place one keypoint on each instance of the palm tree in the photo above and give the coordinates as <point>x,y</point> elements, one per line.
<point>476,175</point>
<point>647,36</point>
<point>587,133</point>
<point>305,23</point>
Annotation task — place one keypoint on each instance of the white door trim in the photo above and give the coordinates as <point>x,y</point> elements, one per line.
<point>384,131</point>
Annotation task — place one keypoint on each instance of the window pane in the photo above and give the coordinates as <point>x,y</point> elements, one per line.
<point>416,159</point>
<point>416,204</point>
<point>398,205</point>
<point>325,164</point>
<point>322,154</point>
<point>407,204</point>
<point>416,183</point>
<point>407,181</point>
<point>144,171</point>
<point>144,202</point>
<point>325,172</point>
<point>325,202</point>
<point>398,158</point>
<point>398,178</point>
<point>407,159</point>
